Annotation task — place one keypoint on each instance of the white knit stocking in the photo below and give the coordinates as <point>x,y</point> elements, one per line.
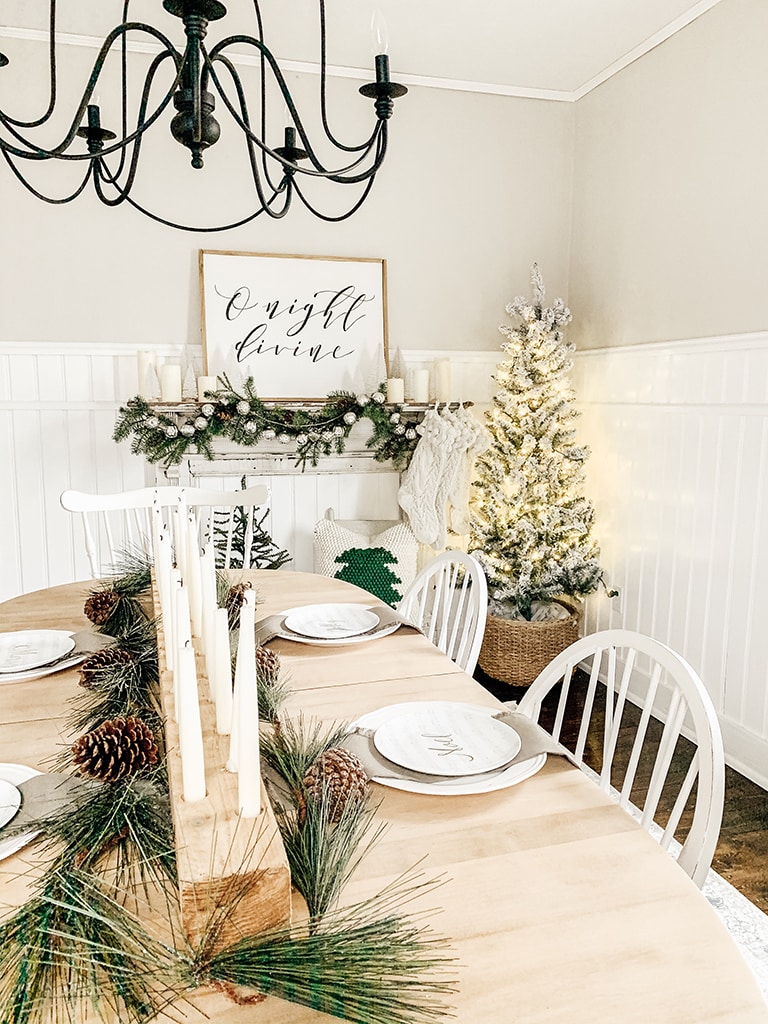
<point>478,441</point>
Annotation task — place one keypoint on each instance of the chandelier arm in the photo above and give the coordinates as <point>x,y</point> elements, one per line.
<point>123,90</point>
<point>340,217</point>
<point>37,153</point>
<point>323,79</point>
<point>263,91</point>
<point>223,59</point>
<point>219,227</point>
<point>52,63</point>
<point>40,195</point>
<point>338,175</point>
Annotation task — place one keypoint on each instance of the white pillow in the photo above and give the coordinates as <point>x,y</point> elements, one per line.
<point>382,563</point>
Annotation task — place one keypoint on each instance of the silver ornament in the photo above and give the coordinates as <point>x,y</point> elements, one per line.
<point>400,429</point>
<point>201,423</point>
<point>250,427</point>
<point>187,429</point>
<point>152,422</point>
<point>350,418</point>
<point>269,435</point>
<point>326,436</point>
<point>171,431</point>
<point>243,408</point>
<point>284,438</point>
<point>362,399</point>
<point>207,409</point>
<point>338,431</point>
<point>395,417</point>
<point>410,433</point>
<point>301,439</point>
<point>378,398</point>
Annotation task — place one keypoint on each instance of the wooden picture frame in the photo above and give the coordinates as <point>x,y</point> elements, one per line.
<point>301,326</point>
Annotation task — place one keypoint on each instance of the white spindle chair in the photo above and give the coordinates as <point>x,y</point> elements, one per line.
<point>641,671</point>
<point>448,601</point>
<point>114,524</point>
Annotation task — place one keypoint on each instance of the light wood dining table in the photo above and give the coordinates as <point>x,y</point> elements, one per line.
<point>559,907</point>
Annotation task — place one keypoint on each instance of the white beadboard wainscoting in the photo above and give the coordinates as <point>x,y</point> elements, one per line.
<point>679,436</point>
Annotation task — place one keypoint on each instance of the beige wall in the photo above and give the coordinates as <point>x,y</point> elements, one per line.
<point>474,189</point>
<point>670,216</point>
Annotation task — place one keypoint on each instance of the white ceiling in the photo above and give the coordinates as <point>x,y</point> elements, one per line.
<point>557,49</point>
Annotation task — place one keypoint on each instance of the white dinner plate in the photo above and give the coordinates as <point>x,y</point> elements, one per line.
<point>10,801</point>
<point>16,774</point>
<point>443,738</point>
<point>29,649</point>
<point>383,629</point>
<point>489,782</point>
<point>331,621</point>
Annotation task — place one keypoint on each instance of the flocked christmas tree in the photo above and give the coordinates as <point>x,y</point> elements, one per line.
<point>531,526</point>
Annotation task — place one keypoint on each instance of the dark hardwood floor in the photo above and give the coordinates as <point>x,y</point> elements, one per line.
<point>741,856</point>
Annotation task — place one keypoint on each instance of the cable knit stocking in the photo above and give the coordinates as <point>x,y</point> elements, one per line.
<point>458,438</point>
<point>418,489</point>
<point>478,440</point>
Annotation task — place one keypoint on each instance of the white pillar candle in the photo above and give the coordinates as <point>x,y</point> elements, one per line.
<point>190,729</point>
<point>145,367</point>
<point>170,382</point>
<point>442,368</point>
<point>205,384</point>
<point>396,390</point>
<point>222,679</point>
<point>179,524</point>
<point>193,578</point>
<point>420,386</point>
<point>249,757</point>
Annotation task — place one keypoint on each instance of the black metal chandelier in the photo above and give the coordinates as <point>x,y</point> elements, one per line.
<point>199,76</point>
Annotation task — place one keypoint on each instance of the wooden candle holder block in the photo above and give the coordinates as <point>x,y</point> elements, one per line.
<point>222,860</point>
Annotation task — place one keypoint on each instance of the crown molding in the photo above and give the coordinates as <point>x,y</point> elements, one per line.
<point>419,81</point>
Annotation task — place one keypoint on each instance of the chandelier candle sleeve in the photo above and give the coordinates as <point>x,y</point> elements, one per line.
<point>249,766</point>
<point>193,578</point>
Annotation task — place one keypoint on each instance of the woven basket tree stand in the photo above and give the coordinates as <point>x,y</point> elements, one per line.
<point>514,651</point>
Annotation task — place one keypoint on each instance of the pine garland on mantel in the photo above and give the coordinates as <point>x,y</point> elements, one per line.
<point>165,434</point>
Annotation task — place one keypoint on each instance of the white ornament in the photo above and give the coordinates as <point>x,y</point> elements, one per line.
<point>201,422</point>
<point>350,418</point>
<point>400,429</point>
<point>410,433</point>
<point>250,427</point>
<point>378,398</point>
<point>207,409</point>
<point>326,436</point>
<point>301,439</point>
<point>395,417</point>
<point>338,431</point>
<point>269,435</point>
<point>243,408</point>
<point>187,430</point>
<point>284,438</point>
<point>171,431</point>
<point>362,399</point>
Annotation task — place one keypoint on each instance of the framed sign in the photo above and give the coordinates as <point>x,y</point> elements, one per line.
<point>301,326</point>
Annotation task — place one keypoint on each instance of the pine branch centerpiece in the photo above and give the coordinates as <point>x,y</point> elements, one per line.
<point>531,526</point>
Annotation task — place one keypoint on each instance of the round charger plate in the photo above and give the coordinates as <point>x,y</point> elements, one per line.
<point>32,648</point>
<point>331,621</point>
<point>383,629</point>
<point>10,801</point>
<point>489,782</point>
<point>16,774</point>
<point>443,738</point>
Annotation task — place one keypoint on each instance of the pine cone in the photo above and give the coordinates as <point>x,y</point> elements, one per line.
<point>100,605</point>
<point>339,777</point>
<point>267,665</point>
<point>235,599</point>
<point>95,665</point>
<point>117,748</point>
